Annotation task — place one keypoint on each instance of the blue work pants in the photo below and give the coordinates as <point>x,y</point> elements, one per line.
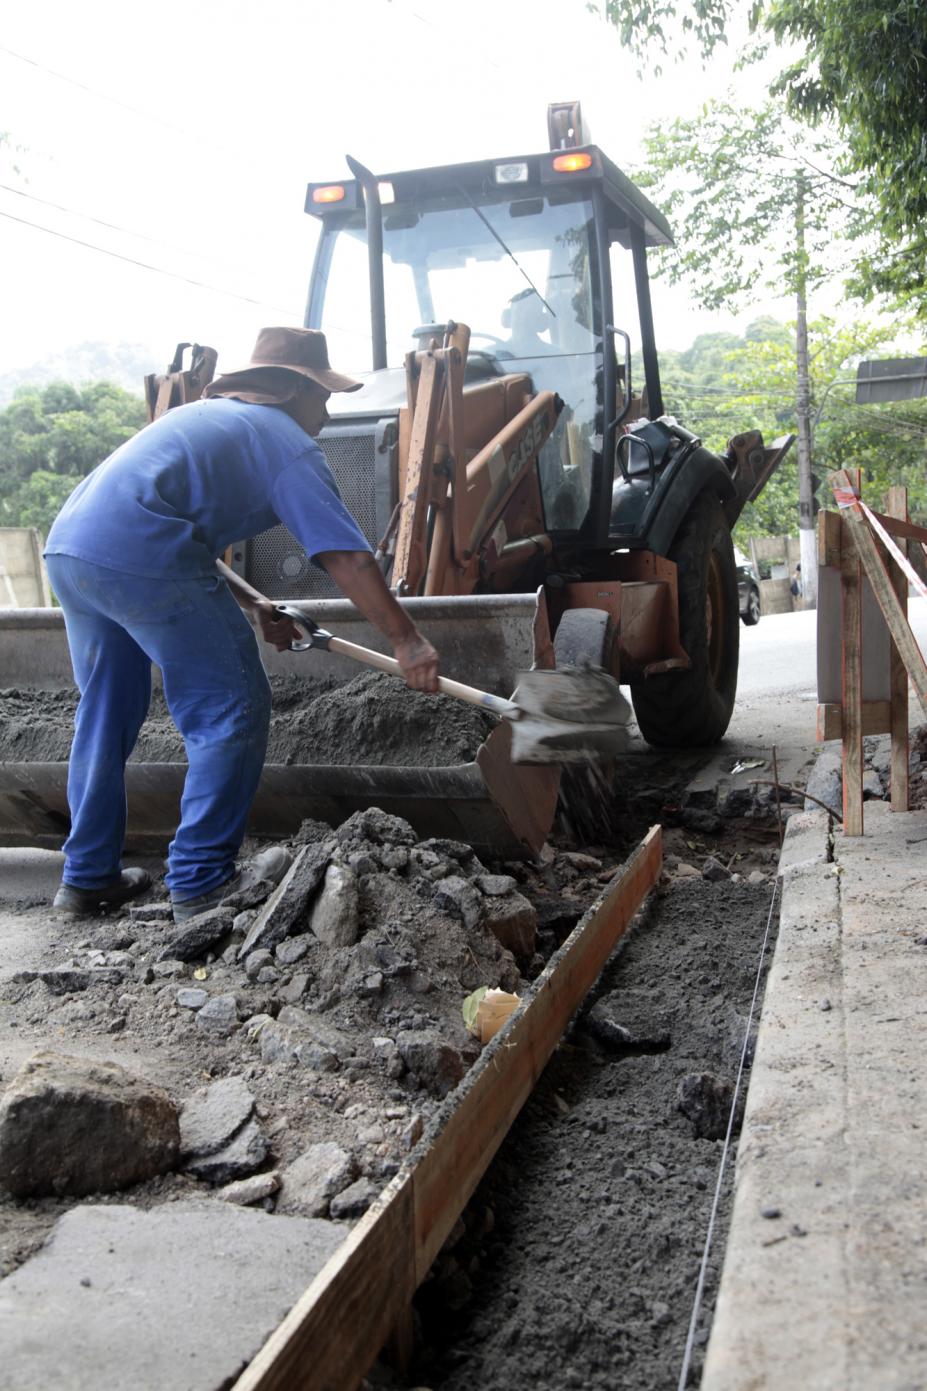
<point>218,695</point>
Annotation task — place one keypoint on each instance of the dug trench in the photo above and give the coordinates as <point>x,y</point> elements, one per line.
<point>301,1048</point>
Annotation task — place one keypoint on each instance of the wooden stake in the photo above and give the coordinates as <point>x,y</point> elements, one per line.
<point>898,507</point>
<point>851,670</point>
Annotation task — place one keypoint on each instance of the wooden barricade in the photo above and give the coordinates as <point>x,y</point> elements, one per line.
<point>874,571</point>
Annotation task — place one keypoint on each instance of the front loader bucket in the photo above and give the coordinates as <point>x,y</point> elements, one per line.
<point>503,810</point>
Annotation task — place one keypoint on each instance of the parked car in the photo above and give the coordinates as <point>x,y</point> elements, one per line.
<point>748,589</point>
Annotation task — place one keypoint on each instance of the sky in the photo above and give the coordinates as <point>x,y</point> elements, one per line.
<point>183,139</point>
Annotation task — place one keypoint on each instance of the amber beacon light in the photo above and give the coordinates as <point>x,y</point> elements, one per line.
<point>330,193</point>
<point>572,162</point>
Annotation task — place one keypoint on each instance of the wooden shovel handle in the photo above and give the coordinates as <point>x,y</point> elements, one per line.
<point>496,704</point>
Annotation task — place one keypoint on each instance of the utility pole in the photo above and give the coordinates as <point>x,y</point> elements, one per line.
<point>806,531</point>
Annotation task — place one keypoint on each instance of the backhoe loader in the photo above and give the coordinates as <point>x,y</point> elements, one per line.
<point>528,498</point>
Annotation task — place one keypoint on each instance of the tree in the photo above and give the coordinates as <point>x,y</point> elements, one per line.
<point>53,437</point>
<point>864,66</point>
<point>756,201</point>
<point>755,390</point>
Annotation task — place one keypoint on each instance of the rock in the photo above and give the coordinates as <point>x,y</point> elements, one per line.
<point>687,871</point>
<point>268,975</point>
<point>73,1126</point>
<point>256,962</point>
<point>624,1023</point>
<point>250,1190</point>
<point>282,1044</point>
<point>376,827</point>
<point>436,1062</point>
<point>115,937</point>
<point>706,1101</point>
<point>252,894</point>
<point>513,922</point>
<point>166,970</point>
<point>413,1132</point>
<point>219,1016</point>
<point>362,862</point>
<point>457,896</point>
<point>714,870</point>
<point>453,850</point>
<point>872,785</point>
<point>295,989</point>
<point>394,857</point>
<point>199,935</point>
<point>558,915</point>
<point>314,1178</point>
<point>756,876</point>
<point>355,1199</point>
<point>151,912</point>
<point>586,863</point>
<point>65,980</point>
<point>335,917</point>
<point>244,1153</point>
<point>191,998</point>
<point>210,1118</point>
<point>495,885</point>
<point>293,949</point>
<point>707,823</point>
<point>288,903</point>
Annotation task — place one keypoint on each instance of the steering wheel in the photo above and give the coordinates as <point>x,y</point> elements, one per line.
<point>503,349</point>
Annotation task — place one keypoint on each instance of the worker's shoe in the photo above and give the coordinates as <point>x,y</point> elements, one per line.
<point>85,903</point>
<point>268,866</point>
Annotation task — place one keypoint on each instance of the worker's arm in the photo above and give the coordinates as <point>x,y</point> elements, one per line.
<point>358,576</point>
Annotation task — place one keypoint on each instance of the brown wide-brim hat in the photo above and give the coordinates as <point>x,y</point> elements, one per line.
<point>281,358</point>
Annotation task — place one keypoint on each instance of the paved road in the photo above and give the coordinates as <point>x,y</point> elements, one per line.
<point>778,655</point>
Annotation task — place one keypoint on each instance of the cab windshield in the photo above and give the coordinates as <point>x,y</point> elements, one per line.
<point>519,271</point>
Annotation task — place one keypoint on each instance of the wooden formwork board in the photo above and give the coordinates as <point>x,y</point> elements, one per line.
<point>333,1334</point>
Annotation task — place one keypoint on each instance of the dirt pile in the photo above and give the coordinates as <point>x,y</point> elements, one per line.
<point>333,1006</point>
<point>374,719</point>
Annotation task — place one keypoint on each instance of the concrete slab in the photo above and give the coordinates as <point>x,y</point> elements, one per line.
<point>176,1299</point>
<point>29,874</point>
<point>829,1294</point>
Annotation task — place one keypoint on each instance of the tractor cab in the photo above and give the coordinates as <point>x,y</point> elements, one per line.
<point>544,257</point>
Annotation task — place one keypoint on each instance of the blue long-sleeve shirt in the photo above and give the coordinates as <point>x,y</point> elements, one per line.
<point>171,499</point>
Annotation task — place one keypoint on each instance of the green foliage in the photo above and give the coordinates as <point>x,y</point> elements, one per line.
<point>735,184</point>
<point>750,384</point>
<point>862,67</point>
<point>52,437</point>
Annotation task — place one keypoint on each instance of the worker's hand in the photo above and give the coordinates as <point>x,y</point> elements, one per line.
<point>419,662</point>
<point>276,627</point>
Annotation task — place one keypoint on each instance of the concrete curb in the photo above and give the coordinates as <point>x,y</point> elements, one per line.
<point>826,1260</point>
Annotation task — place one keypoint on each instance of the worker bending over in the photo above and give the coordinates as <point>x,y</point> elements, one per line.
<point>133,559</point>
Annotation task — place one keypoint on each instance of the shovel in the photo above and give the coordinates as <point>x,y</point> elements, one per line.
<point>571,715</point>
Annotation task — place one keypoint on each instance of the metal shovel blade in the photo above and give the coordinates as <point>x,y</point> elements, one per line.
<point>570,715</point>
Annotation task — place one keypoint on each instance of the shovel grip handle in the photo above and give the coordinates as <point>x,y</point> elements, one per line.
<point>495,704</point>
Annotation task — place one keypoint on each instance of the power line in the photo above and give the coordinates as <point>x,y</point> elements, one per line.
<point>145,265</point>
<point>101,222</point>
<point>92,91</point>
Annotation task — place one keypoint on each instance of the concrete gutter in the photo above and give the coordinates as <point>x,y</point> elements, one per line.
<point>830,1294</point>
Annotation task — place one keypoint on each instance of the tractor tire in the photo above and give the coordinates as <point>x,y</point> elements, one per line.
<point>688,709</point>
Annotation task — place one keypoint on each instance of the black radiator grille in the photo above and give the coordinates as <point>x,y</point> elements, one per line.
<point>277,565</point>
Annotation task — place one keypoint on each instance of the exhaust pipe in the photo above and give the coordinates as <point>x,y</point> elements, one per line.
<point>368,183</point>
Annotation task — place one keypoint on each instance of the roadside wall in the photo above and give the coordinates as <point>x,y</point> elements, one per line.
<point>23,582</point>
